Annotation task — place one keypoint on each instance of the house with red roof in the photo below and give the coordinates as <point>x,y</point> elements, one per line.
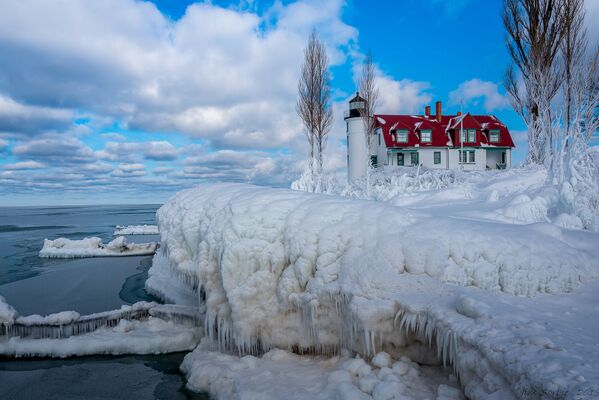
<point>466,141</point>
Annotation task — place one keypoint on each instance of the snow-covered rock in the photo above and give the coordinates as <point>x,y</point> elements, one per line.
<point>93,247</point>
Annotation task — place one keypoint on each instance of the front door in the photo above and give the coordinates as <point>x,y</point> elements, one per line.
<point>399,158</point>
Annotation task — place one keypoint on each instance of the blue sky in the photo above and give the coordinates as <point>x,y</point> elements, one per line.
<point>98,106</point>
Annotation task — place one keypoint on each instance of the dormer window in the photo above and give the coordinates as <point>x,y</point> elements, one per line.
<point>494,136</point>
<point>468,135</point>
<point>426,136</point>
<point>401,136</point>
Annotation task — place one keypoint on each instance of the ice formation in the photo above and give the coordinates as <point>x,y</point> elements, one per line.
<point>317,273</point>
<point>141,328</point>
<point>279,374</point>
<point>93,247</point>
<point>136,230</point>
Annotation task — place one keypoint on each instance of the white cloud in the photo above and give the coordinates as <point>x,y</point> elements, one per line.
<point>225,75</point>
<point>25,165</point>
<point>475,90</point>
<point>22,118</point>
<point>3,145</point>
<point>55,149</point>
<point>129,170</point>
<point>129,151</point>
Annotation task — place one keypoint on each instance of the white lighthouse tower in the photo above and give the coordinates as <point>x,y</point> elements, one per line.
<point>357,158</point>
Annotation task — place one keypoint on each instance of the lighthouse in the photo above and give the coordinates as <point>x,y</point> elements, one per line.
<point>357,158</point>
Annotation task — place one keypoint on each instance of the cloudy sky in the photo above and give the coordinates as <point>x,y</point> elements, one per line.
<point>120,101</point>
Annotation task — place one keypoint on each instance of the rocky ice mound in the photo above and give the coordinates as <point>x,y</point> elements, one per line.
<point>319,273</point>
<point>93,247</point>
<point>136,230</point>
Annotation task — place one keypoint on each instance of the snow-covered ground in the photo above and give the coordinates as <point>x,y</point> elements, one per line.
<point>484,270</point>
<point>93,247</point>
<point>136,230</point>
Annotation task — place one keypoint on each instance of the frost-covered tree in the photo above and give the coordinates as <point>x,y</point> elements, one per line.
<point>556,91</point>
<point>369,91</point>
<point>313,106</point>
<point>534,35</point>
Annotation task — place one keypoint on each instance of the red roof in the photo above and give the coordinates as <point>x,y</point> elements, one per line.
<point>445,133</point>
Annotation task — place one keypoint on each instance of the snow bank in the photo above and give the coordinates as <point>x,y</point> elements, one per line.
<point>136,230</point>
<point>279,374</point>
<point>321,273</point>
<point>93,247</point>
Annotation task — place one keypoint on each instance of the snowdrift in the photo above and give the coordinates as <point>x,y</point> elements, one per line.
<point>136,230</point>
<point>318,273</point>
<point>93,247</point>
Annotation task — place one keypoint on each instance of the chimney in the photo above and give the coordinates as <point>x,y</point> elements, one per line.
<point>459,113</point>
<point>438,111</point>
<point>427,111</point>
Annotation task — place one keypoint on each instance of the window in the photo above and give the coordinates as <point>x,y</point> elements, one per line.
<point>379,139</point>
<point>471,135</point>
<point>494,136</point>
<point>425,136</point>
<point>414,158</point>
<point>503,157</point>
<point>437,157</point>
<point>468,135</point>
<point>402,136</point>
<point>400,159</point>
<point>467,157</point>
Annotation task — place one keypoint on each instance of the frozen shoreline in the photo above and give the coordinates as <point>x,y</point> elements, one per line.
<point>322,273</point>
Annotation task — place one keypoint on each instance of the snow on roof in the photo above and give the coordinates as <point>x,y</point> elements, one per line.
<point>381,120</point>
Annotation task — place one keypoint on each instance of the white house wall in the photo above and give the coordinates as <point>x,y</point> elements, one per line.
<point>427,158</point>
<point>449,156</point>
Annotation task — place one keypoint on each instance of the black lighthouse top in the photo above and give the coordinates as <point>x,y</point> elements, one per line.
<point>355,105</point>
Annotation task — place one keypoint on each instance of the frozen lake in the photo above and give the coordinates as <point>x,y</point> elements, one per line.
<point>41,286</point>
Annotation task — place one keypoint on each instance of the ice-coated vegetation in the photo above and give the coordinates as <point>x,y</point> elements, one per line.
<point>93,247</point>
<point>465,271</point>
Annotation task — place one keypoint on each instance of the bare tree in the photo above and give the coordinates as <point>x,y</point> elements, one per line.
<point>313,105</point>
<point>369,91</point>
<point>535,29</point>
<point>573,48</point>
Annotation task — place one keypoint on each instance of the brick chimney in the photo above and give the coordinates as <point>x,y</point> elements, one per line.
<point>438,111</point>
<point>427,111</point>
<point>459,113</point>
